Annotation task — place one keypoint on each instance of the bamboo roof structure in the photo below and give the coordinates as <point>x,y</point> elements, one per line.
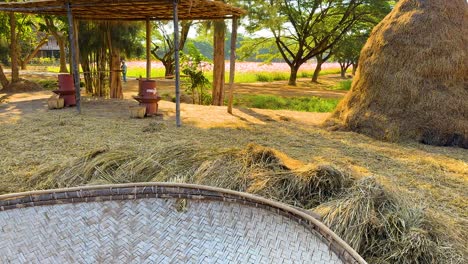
<point>127,9</point>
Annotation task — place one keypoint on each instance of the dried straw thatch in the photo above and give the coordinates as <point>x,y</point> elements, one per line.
<point>412,82</point>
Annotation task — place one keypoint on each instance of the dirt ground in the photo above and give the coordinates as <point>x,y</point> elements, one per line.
<point>30,102</point>
<point>16,105</point>
<point>166,86</point>
<point>304,87</point>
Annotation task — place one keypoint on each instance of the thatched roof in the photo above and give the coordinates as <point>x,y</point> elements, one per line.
<point>127,9</point>
<point>412,80</point>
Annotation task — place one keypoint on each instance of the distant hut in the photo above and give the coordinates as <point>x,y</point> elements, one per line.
<point>412,80</point>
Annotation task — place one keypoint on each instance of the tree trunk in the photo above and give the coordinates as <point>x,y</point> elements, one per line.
<point>115,81</point>
<point>168,67</point>
<point>318,68</point>
<point>13,49</point>
<point>355,65</point>
<point>218,60</point>
<point>24,63</point>
<point>63,55</point>
<point>343,67</point>
<point>168,58</point>
<point>61,43</point>
<point>293,75</point>
<point>115,84</point>
<point>3,79</point>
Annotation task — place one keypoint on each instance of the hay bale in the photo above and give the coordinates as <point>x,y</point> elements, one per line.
<point>137,111</point>
<point>55,103</point>
<point>412,77</point>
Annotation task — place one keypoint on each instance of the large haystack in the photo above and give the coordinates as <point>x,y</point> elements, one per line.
<point>412,82</point>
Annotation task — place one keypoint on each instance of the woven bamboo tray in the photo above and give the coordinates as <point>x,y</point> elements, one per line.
<point>161,223</point>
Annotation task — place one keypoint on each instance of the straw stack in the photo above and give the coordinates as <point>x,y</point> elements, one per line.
<point>412,77</point>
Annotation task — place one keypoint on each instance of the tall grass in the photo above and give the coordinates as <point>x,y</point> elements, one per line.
<point>253,77</point>
<point>304,104</point>
<point>309,74</point>
<point>343,85</point>
<point>271,76</point>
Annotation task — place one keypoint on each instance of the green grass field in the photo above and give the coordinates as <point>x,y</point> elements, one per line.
<point>343,85</point>
<point>240,77</point>
<point>304,104</point>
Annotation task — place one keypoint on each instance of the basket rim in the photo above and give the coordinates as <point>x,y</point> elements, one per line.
<point>131,191</point>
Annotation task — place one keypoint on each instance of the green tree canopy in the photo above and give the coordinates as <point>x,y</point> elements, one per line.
<point>302,29</point>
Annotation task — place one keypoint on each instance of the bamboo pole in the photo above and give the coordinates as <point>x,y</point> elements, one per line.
<point>177,63</point>
<point>74,65</point>
<point>148,46</point>
<point>232,65</point>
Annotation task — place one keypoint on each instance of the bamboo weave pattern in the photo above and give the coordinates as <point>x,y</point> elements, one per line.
<point>156,231</point>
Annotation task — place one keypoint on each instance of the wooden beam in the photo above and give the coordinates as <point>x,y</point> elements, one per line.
<point>232,65</point>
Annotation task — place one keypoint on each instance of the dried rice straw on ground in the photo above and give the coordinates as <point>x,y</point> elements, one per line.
<point>386,228</point>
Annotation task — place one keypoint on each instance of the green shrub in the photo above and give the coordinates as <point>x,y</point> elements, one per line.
<point>48,84</point>
<point>343,85</point>
<point>280,76</point>
<point>270,76</point>
<point>262,77</point>
<point>305,74</point>
<point>43,61</point>
<point>329,71</point>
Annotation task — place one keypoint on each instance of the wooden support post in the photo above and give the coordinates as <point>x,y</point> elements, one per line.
<point>219,80</point>
<point>76,26</point>
<point>177,63</point>
<point>73,50</point>
<point>148,48</point>
<point>232,65</point>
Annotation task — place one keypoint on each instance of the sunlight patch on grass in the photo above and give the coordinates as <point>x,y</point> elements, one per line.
<point>304,104</point>
<point>137,72</point>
